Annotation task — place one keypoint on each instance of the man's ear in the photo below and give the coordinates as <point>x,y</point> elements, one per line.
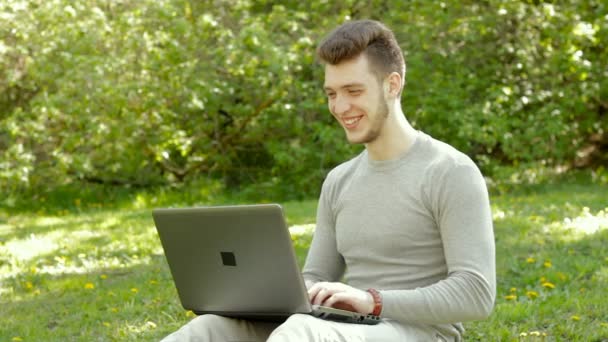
<point>394,84</point>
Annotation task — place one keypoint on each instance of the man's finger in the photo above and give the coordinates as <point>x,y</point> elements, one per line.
<point>320,290</point>
<point>322,296</point>
<point>337,298</point>
<point>314,290</point>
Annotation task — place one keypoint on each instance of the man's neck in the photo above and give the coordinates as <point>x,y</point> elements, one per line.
<point>396,138</point>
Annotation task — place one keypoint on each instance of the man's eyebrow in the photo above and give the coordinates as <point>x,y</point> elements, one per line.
<point>346,86</point>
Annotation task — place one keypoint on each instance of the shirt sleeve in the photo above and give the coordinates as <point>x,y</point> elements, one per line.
<point>323,262</point>
<point>460,205</point>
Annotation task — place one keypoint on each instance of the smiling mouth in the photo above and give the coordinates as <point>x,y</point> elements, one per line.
<point>352,121</point>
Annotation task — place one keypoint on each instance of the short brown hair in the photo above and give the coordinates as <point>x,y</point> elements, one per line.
<point>371,37</point>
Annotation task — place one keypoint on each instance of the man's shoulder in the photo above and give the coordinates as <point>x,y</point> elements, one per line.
<point>441,155</point>
<point>447,166</point>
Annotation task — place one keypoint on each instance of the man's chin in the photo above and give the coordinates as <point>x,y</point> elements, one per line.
<point>358,139</point>
<point>354,141</point>
<point>361,138</point>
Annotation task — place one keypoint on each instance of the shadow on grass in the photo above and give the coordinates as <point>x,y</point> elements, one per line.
<point>133,303</point>
<point>91,220</point>
<point>83,196</point>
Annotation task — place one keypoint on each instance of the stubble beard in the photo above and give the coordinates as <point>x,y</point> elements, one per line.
<point>376,124</point>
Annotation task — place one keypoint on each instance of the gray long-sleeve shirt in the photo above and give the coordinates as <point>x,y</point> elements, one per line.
<point>417,228</point>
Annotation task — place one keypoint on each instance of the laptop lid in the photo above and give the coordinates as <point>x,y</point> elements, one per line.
<point>232,260</point>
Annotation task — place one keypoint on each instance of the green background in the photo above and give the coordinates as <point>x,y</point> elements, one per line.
<point>146,93</point>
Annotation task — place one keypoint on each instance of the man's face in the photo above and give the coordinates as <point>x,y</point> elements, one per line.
<point>356,99</point>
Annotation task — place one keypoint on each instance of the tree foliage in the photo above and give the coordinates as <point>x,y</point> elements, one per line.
<point>155,92</point>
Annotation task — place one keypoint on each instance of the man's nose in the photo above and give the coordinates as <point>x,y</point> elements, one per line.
<point>341,105</point>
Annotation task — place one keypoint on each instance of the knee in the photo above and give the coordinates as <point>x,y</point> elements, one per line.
<point>299,320</point>
<point>298,327</point>
<point>203,327</point>
<point>208,325</point>
<point>208,320</point>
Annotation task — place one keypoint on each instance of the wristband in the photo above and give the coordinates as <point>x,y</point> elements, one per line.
<point>377,301</point>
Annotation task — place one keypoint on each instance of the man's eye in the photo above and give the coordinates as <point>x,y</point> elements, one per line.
<point>355,92</point>
<point>331,95</point>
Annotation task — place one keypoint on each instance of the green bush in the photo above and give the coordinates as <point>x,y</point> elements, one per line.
<point>143,93</point>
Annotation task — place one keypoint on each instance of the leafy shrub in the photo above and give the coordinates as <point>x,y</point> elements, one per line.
<point>143,93</point>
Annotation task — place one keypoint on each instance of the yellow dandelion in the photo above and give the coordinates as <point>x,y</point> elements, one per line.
<point>532,294</point>
<point>134,290</point>
<point>548,285</point>
<point>513,289</point>
<point>530,260</point>
<point>543,279</point>
<point>89,286</point>
<point>548,264</point>
<point>575,318</point>
<point>29,285</point>
<point>103,276</point>
<point>534,333</point>
<point>33,270</point>
<point>511,297</point>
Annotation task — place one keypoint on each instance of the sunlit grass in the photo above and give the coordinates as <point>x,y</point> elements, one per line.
<point>550,262</point>
<point>97,271</point>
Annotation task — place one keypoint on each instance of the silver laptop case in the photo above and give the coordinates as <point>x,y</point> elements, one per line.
<point>232,260</point>
<point>238,261</point>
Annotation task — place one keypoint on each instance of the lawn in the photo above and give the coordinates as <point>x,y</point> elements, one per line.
<point>86,269</point>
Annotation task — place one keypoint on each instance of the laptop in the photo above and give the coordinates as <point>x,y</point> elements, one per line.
<point>238,261</point>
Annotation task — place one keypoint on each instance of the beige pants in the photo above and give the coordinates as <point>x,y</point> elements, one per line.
<point>298,328</point>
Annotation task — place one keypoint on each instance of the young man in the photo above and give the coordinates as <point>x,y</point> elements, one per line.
<point>404,230</point>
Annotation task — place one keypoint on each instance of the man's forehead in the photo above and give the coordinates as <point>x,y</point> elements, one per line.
<point>348,74</point>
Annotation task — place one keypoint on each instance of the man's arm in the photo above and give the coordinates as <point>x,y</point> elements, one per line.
<point>323,262</point>
<point>325,266</point>
<point>460,203</point>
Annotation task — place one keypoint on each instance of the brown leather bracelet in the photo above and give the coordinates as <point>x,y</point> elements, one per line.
<point>377,301</point>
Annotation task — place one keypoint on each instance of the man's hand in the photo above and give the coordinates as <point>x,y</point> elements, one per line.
<point>341,296</point>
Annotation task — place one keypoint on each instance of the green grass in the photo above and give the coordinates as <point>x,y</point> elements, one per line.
<point>76,267</point>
